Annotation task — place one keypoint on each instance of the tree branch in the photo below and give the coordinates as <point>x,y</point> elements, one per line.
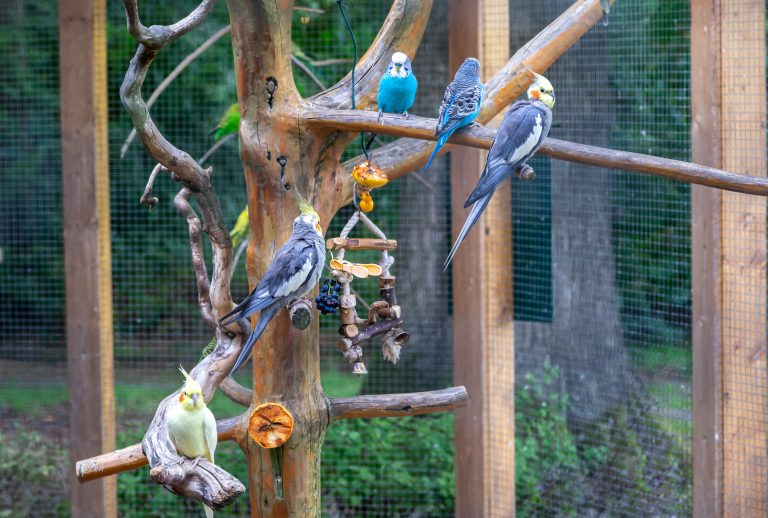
<point>506,85</point>
<point>131,457</point>
<point>184,167</point>
<point>236,392</point>
<point>482,137</point>
<point>181,202</point>
<point>165,83</point>
<point>157,36</point>
<point>398,405</point>
<point>402,31</point>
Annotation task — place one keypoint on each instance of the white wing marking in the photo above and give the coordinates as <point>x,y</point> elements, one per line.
<point>529,143</point>
<point>295,281</point>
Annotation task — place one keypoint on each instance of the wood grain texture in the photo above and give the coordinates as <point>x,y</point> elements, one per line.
<point>743,123</point>
<point>398,405</point>
<point>87,250</point>
<point>706,279</point>
<point>336,243</point>
<point>484,430</point>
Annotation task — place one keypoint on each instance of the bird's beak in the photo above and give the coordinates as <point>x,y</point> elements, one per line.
<point>195,397</point>
<point>398,65</point>
<point>553,95</point>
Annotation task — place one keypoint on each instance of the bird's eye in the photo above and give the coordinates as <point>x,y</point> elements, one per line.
<point>541,90</point>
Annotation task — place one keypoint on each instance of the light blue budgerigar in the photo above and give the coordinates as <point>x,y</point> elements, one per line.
<point>397,88</point>
<point>293,272</point>
<point>461,103</point>
<point>521,133</point>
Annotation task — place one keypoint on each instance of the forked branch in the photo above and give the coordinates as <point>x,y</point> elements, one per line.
<point>402,31</point>
<point>482,138</point>
<point>157,36</point>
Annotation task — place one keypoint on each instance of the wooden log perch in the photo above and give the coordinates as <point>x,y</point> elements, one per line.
<point>482,137</point>
<point>398,405</point>
<point>131,457</point>
<point>336,243</point>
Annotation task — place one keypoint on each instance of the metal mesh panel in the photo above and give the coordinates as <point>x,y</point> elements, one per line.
<point>602,287</point>
<point>745,422</point>
<point>600,273</point>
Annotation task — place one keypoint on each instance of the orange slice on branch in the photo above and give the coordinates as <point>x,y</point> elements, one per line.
<point>270,425</point>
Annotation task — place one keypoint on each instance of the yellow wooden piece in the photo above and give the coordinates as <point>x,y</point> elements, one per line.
<point>358,270</point>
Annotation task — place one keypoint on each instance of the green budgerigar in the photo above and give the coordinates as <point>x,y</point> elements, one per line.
<point>191,425</point>
<point>228,124</point>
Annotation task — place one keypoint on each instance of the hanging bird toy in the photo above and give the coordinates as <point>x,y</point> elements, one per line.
<point>384,316</point>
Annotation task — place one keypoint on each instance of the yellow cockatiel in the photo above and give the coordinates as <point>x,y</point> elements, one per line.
<point>191,425</point>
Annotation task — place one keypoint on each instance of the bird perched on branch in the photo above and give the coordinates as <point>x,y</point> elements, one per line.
<point>461,103</point>
<point>191,425</point>
<point>294,271</point>
<point>521,133</point>
<point>397,88</point>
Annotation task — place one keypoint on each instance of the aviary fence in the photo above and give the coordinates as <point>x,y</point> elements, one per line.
<point>619,367</point>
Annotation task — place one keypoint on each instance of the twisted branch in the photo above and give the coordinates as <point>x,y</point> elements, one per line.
<point>181,202</point>
<point>157,36</point>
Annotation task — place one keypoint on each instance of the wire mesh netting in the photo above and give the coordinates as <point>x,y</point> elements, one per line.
<point>600,277</point>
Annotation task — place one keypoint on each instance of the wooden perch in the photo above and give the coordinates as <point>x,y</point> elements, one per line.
<point>406,155</point>
<point>482,137</point>
<point>336,243</point>
<point>132,457</point>
<point>398,405</point>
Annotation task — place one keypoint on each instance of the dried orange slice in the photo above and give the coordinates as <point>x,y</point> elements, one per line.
<point>270,425</point>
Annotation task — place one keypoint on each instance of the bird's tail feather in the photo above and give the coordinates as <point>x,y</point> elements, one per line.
<point>264,318</point>
<point>237,312</point>
<point>440,143</point>
<point>474,215</point>
<point>208,511</point>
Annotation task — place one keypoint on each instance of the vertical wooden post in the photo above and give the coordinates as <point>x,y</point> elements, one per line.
<point>706,280</point>
<point>729,261</point>
<point>483,333</point>
<point>745,396</point>
<point>87,255</point>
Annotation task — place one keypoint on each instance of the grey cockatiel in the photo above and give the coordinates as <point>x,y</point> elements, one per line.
<point>294,272</point>
<point>461,103</point>
<point>521,133</point>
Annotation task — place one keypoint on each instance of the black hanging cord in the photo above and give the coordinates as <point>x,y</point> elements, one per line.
<point>342,8</point>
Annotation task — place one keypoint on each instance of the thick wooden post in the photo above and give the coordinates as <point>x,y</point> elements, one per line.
<point>87,256</point>
<point>706,206</point>
<point>483,333</point>
<point>729,261</point>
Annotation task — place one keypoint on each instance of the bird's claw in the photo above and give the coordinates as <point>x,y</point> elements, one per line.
<point>406,113</point>
<point>474,124</point>
<point>381,114</point>
<point>194,462</point>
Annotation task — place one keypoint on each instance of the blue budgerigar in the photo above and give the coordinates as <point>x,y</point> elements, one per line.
<point>294,271</point>
<point>461,103</point>
<point>397,88</point>
<point>521,133</point>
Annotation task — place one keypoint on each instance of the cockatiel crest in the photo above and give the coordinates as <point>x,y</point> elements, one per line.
<point>541,90</point>
<point>191,396</point>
